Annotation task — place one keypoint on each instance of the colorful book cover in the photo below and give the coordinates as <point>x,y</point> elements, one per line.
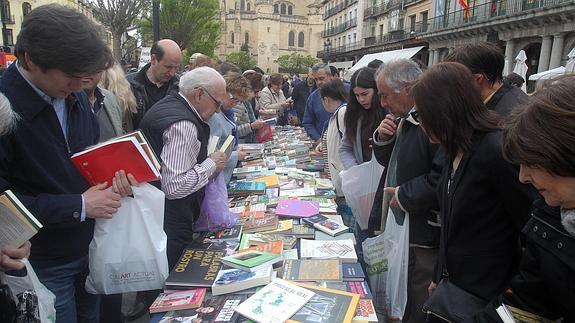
<point>251,260</point>
<point>231,234</point>
<point>353,272</point>
<point>297,208</point>
<point>215,309</point>
<point>195,268</point>
<point>255,223</point>
<point>270,247</point>
<point>326,224</point>
<point>365,312</point>
<point>283,226</point>
<point>327,305</point>
<point>246,188</point>
<point>312,270</point>
<point>234,280</point>
<point>360,288</point>
<point>318,249</point>
<point>275,303</point>
<point>178,300</point>
<point>271,181</point>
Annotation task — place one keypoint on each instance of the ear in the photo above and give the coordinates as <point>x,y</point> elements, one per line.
<point>28,64</point>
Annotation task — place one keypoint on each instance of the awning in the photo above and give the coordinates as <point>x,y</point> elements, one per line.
<point>548,74</point>
<point>346,64</point>
<point>382,56</point>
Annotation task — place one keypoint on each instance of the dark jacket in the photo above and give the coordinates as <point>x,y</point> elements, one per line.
<point>545,284</point>
<point>35,164</point>
<point>180,214</point>
<point>505,99</point>
<point>417,177</point>
<point>299,95</point>
<point>483,213</point>
<point>137,82</point>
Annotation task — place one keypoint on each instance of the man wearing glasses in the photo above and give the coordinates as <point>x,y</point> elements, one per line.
<point>178,132</point>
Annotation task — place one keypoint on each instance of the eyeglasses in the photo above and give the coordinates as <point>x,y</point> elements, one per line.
<point>220,104</point>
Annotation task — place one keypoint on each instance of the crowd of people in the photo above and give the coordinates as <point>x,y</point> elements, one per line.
<point>485,173</point>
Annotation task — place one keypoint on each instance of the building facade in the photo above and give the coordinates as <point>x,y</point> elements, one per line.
<point>270,28</point>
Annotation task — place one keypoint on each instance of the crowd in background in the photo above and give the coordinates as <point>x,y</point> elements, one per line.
<point>485,173</point>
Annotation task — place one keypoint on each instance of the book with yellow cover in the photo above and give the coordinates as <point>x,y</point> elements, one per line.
<point>331,305</point>
<point>17,224</point>
<point>270,180</point>
<point>271,247</point>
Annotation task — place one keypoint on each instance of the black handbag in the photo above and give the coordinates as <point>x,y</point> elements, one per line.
<point>449,302</point>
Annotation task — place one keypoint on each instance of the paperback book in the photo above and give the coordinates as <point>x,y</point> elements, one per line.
<point>178,300</point>
<point>234,280</point>
<point>252,260</point>
<point>327,305</point>
<point>353,272</point>
<point>325,224</point>
<point>312,270</point>
<point>17,224</point>
<point>297,208</point>
<point>318,249</point>
<point>195,268</point>
<point>215,309</point>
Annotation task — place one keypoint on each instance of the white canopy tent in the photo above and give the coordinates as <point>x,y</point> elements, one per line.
<point>570,66</point>
<point>521,68</point>
<point>382,56</point>
<point>547,74</point>
<point>340,65</point>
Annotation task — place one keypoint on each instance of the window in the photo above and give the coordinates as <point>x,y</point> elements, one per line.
<point>424,21</point>
<point>291,39</point>
<point>26,8</point>
<point>246,38</point>
<point>7,11</point>
<point>283,9</point>
<point>243,5</point>
<point>412,23</point>
<point>290,10</point>
<point>276,8</point>
<point>232,37</point>
<point>249,6</point>
<point>300,39</point>
<point>9,37</point>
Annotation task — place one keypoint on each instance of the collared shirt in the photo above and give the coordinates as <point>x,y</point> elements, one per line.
<point>154,92</point>
<point>181,173</point>
<point>58,104</point>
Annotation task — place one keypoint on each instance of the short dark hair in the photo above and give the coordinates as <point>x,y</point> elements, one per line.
<point>225,67</point>
<point>334,89</point>
<point>57,37</point>
<point>334,71</point>
<point>255,80</point>
<point>276,79</point>
<point>514,79</point>
<point>450,108</point>
<point>485,58</point>
<point>376,63</point>
<point>158,51</point>
<point>370,118</point>
<point>541,132</point>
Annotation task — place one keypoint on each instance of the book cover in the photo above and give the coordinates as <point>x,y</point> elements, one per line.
<point>318,249</point>
<point>271,181</point>
<point>305,191</point>
<point>365,312</point>
<point>228,145</point>
<point>275,303</point>
<point>195,268</point>
<point>215,309</point>
<point>297,208</point>
<point>247,170</point>
<point>352,272</point>
<point>251,260</point>
<point>360,288</point>
<point>178,300</point>
<point>326,225</point>
<point>303,231</point>
<point>246,188</point>
<point>260,238</point>
<point>100,163</point>
<point>17,224</point>
<point>139,135</point>
<point>231,234</point>
<point>312,270</point>
<point>327,305</point>
<point>255,223</point>
<point>344,236</point>
<point>270,247</point>
<point>234,280</point>
<point>290,254</point>
<point>265,133</point>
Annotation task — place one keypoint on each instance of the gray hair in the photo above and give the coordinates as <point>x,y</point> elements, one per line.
<point>8,118</point>
<point>204,77</point>
<point>321,67</point>
<point>399,73</point>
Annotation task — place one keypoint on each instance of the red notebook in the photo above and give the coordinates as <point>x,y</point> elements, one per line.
<point>297,208</point>
<point>100,163</point>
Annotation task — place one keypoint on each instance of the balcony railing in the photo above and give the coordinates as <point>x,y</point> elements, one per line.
<point>396,36</point>
<point>489,11</point>
<point>382,8</point>
<point>340,49</point>
<point>339,28</point>
<point>250,15</point>
<point>338,8</point>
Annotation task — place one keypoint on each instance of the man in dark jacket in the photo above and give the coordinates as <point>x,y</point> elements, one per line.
<point>157,79</point>
<point>408,156</point>
<point>486,62</point>
<point>44,88</point>
<point>300,93</point>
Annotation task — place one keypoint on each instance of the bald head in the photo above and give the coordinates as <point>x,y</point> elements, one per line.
<point>166,57</point>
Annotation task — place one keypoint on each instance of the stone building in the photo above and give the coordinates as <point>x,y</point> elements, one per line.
<point>271,28</point>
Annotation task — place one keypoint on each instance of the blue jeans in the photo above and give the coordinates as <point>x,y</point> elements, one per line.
<point>66,281</point>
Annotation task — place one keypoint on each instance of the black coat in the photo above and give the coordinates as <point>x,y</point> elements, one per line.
<point>483,214</point>
<point>505,99</point>
<point>545,284</point>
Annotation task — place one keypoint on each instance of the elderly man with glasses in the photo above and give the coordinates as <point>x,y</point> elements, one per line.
<point>178,131</point>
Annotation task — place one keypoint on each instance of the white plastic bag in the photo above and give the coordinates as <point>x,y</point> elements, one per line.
<point>359,185</point>
<point>387,259</point>
<point>128,252</point>
<point>31,296</point>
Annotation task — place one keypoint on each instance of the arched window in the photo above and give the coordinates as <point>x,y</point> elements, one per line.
<point>283,9</point>
<point>26,8</point>
<point>276,8</point>
<point>243,5</point>
<point>246,38</point>
<point>291,39</point>
<point>290,10</point>
<point>300,39</point>
<point>232,37</point>
<point>249,6</point>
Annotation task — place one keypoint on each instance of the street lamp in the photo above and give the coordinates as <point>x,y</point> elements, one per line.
<point>326,47</point>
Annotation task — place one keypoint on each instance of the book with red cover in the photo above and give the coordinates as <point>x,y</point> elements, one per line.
<point>100,163</point>
<point>297,208</point>
<point>264,133</point>
<point>178,300</point>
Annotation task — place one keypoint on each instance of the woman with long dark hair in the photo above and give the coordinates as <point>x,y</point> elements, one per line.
<point>362,116</point>
<point>483,205</point>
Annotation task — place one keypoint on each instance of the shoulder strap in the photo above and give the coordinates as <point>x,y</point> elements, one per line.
<point>337,123</point>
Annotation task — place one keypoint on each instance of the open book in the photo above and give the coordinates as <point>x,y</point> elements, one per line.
<point>17,224</point>
<point>227,146</point>
<point>99,163</point>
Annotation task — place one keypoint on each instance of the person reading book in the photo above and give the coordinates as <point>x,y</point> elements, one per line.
<point>44,88</point>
